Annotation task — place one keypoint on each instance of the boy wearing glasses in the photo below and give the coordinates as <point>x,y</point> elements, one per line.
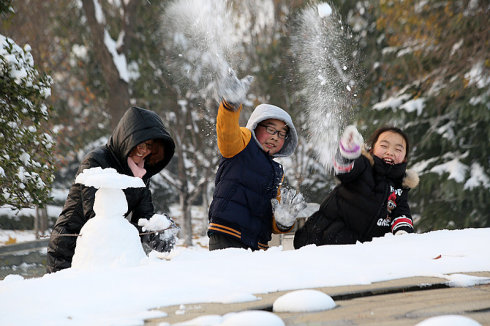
<point>248,178</point>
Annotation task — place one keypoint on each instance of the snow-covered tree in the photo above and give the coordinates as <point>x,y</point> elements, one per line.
<point>26,170</point>
<point>429,75</point>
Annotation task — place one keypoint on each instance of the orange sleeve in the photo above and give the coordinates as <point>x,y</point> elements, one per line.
<point>232,138</point>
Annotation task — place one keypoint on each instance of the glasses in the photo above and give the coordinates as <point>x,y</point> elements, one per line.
<point>144,147</point>
<point>272,131</point>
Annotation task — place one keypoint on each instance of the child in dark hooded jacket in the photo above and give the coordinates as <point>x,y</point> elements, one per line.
<point>139,146</point>
<point>371,199</point>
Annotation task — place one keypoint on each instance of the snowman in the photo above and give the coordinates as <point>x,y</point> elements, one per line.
<point>108,239</point>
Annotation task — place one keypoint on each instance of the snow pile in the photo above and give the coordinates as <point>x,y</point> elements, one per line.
<point>194,274</point>
<point>452,320</point>
<point>108,239</point>
<point>303,301</point>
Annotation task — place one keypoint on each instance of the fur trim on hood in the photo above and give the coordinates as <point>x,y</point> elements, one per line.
<point>411,179</point>
<point>267,111</point>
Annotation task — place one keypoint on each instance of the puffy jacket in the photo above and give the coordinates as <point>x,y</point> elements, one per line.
<point>241,206</point>
<point>136,126</point>
<point>247,178</point>
<point>370,201</point>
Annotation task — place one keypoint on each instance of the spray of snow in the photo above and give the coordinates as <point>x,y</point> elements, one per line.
<point>202,33</point>
<point>329,75</point>
<point>108,239</point>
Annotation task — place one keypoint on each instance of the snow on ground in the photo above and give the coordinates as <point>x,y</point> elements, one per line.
<point>126,296</point>
<point>16,236</point>
<point>107,287</point>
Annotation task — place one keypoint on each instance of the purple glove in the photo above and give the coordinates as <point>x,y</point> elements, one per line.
<point>350,143</point>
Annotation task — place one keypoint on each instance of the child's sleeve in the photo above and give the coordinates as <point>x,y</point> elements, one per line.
<point>401,216</point>
<point>232,138</point>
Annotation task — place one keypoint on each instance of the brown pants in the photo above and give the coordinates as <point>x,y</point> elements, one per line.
<point>221,241</point>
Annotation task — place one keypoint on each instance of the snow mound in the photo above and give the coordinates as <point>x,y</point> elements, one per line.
<point>252,317</point>
<point>303,301</point>
<point>453,320</point>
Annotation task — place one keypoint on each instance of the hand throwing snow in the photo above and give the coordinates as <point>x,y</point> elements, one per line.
<point>233,90</point>
<point>286,211</point>
<point>350,143</point>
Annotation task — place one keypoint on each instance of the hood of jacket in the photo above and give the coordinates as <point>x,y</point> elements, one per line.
<point>136,126</point>
<point>410,178</point>
<point>267,111</point>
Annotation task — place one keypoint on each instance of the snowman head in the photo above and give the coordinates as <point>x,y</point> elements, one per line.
<point>110,202</point>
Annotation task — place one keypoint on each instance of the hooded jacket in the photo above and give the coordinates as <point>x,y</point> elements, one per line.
<point>136,126</point>
<point>370,201</point>
<point>248,177</point>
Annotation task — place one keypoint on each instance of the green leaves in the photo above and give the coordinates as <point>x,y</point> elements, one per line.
<point>25,146</point>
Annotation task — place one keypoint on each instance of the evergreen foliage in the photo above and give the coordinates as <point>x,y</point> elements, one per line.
<point>430,77</point>
<point>26,172</point>
<point>425,64</point>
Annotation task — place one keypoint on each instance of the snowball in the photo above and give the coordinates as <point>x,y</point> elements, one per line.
<point>252,317</point>
<point>324,10</point>
<point>156,223</point>
<point>452,320</point>
<point>303,301</point>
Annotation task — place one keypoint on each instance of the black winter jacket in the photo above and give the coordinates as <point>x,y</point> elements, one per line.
<point>370,201</point>
<point>136,126</point>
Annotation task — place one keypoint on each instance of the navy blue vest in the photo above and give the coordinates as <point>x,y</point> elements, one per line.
<point>245,185</point>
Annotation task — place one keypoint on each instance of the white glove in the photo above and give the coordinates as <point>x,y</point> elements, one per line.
<point>401,232</point>
<point>233,90</point>
<point>286,211</point>
<point>350,143</point>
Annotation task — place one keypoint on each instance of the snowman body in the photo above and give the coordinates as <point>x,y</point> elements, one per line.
<point>108,239</point>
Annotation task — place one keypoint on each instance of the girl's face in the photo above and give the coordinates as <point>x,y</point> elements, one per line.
<point>390,147</point>
<point>141,151</point>
<point>271,134</point>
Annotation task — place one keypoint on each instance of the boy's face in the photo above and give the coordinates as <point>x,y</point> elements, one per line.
<point>271,134</point>
<point>390,147</point>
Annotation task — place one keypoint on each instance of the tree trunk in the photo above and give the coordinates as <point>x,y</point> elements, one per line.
<point>117,88</point>
<point>40,221</point>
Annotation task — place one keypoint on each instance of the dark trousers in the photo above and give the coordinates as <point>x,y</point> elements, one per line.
<point>221,241</point>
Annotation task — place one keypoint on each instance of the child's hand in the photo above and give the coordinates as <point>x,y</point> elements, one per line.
<point>350,143</point>
<point>233,90</point>
<point>286,211</point>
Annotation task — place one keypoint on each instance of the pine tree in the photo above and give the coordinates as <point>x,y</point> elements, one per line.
<point>26,173</point>
<point>430,77</point>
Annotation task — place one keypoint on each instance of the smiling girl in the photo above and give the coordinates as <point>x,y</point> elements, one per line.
<point>371,199</point>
